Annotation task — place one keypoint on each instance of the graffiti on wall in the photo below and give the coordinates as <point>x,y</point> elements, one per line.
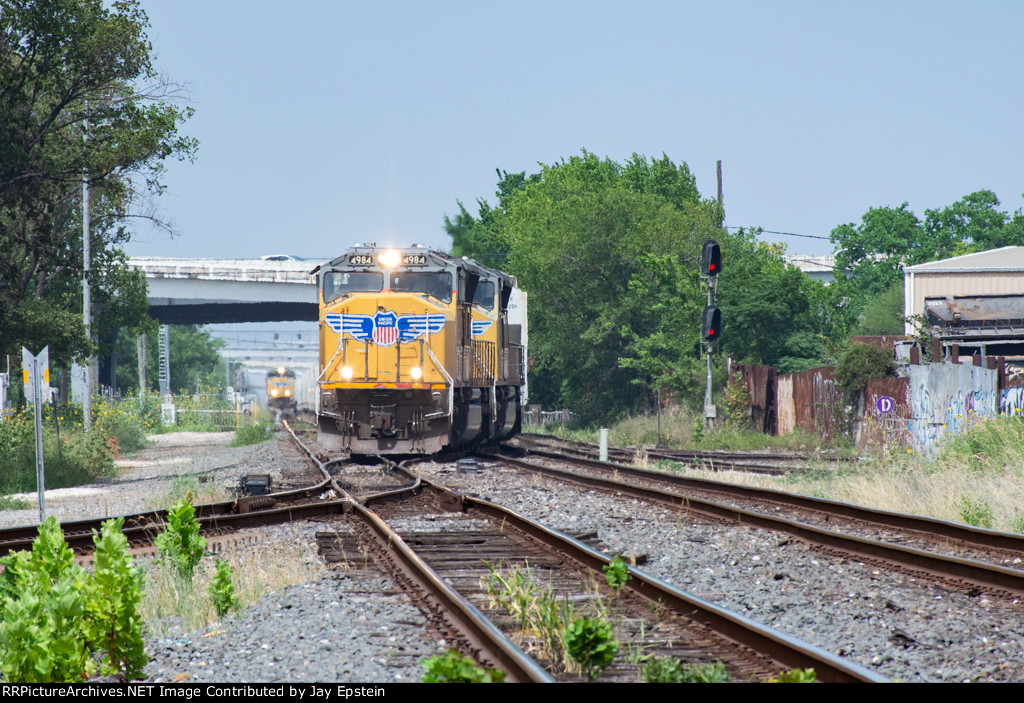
<point>1011,402</point>
<point>945,398</point>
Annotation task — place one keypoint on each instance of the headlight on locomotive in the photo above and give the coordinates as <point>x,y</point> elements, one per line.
<point>416,373</point>
<point>274,392</point>
<point>346,373</point>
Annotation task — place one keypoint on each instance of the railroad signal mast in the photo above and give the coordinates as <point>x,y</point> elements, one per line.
<point>711,324</point>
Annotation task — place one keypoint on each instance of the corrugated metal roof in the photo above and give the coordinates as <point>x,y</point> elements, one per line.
<point>1004,259</point>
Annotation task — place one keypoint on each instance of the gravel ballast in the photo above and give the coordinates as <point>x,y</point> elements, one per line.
<point>339,625</point>
<point>352,626</point>
<point>903,628</point>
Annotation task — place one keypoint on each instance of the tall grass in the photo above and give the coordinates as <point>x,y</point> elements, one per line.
<point>77,458</point>
<point>206,410</point>
<point>169,598</point>
<point>194,488</point>
<point>678,430</point>
<point>991,444</point>
<point>251,434</point>
<point>975,477</point>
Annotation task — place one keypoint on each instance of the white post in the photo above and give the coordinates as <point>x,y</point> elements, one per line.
<point>604,444</point>
<point>86,293</point>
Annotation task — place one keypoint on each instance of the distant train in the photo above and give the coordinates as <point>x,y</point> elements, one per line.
<point>418,351</point>
<point>281,398</point>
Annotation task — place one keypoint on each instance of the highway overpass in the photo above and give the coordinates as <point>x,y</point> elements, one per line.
<point>207,291</point>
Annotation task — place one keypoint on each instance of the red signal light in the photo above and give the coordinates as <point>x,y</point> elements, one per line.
<point>711,328</point>
<point>711,258</point>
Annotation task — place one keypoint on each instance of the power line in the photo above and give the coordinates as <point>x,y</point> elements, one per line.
<point>788,234</point>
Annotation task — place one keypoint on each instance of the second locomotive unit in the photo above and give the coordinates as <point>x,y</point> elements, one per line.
<point>417,352</point>
<point>281,391</point>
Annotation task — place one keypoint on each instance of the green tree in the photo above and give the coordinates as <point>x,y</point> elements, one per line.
<point>608,253</point>
<point>883,313</point>
<point>775,314</point>
<point>875,251</point>
<point>478,237</point>
<point>972,224</point>
<point>656,320</point>
<point>71,69</point>
<point>861,363</point>
<point>194,358</point>
<point>887,239</point>
<point>765,302</point>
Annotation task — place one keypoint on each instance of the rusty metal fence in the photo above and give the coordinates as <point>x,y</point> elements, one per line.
<point>916,410</point>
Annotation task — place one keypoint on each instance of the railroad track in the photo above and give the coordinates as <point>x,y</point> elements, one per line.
<point>774,463</point>
<point>709,632</point>
<point>457,537</point>
<point>995,562</point>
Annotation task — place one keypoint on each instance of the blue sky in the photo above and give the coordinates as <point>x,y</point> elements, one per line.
<point>326,123</point>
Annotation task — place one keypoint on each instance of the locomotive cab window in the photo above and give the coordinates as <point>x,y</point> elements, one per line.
<point>339,283</point>
<point>436,284</point>
<point>484,296</point>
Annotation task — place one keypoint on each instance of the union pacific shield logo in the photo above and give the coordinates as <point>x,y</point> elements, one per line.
<point>385,328</point>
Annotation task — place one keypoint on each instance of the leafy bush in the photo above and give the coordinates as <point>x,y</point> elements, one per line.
<point>671,670</point>
<point>860,363</point>
<point>222,589</point>
<point>737,403</point>
<point>127,419</point>
<point>617,573</point>
<point>113,608</point>
<point>455,668</point>
<point>698,431</point>
<point>591,643</point>
<point>795,676</point>
<point>56,615</point>
<point>77,460</point>
<point>180,544</point>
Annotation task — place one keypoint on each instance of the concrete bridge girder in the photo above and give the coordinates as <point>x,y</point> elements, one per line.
<point>210,291</point>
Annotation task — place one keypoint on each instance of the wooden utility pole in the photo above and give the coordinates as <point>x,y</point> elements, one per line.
<point>721,209</point>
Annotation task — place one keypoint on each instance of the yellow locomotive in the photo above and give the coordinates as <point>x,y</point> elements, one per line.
<point>417,352</point>
<point>281,391</point>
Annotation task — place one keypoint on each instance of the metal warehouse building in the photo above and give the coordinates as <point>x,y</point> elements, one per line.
<point>975,301</point>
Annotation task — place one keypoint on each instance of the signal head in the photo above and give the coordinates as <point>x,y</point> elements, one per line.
<point>711,258</point>
<point>711,329</point>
